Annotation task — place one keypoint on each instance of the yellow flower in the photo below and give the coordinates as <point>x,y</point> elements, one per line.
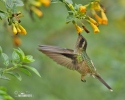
<point>99,19</point>
<point>23,31</point>
<point>36,3</point>
<point>82,9</point>
<point>45,2</point>
<point>17,27</point>
<point>16,40</point>
<point>37,11</point>
<point>79,29</point>
<point>93,21</point>
<point>95,6</point>
<point>14,28</point>
<point>104,18</point>
<point>95,28</point>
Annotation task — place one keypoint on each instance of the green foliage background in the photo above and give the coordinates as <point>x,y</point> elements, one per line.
<point>106,49</point>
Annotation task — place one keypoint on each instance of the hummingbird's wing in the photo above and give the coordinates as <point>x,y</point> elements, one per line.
<point>62,56</point>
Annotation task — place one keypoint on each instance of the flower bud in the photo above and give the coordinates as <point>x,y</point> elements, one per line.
<point>104,18</point>
<point>23,31</point>
<point>79,29</point>
<point>82,9</point>
<point>45,2</point>
<point>95,28</point>
<point>37,11</point>
<point>14,28</point>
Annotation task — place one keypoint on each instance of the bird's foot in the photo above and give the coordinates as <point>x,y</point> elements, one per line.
<point>83,80</point>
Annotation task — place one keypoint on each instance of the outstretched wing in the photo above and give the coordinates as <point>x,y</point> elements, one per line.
<point>62,56</point>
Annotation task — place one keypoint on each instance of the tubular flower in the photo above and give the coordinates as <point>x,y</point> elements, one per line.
<point>95,28</point>
<point>79,29</point>
<point>95,6</point>
<point>23,31</point>
<point>82,9</point>
<point>17,27</point>
<point>104,18</point>
<point>14,28</point>
<point>93,21</point>
<point>99,19</point>
<point>16,40</point>
<point>36,3</point>
<point>45,2</point>
<point>37,11</point>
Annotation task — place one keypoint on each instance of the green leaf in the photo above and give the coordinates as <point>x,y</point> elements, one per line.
<point>9,4</point>
<point>28,59</point>
<point>2,92</point>
<point>32,69</point>
<point>15,74</point>
<point>70,18</point>
<point>69,1</point>
<point>6,59</point>
<point>0,50</point>
<point>15,57</point>
<point>2,14</point>
<point>18,3</point>
<point>20,53</point>
<point>4,77</point>
<point>26,71</point>
<point>4,95</point>
<point>3,88</point>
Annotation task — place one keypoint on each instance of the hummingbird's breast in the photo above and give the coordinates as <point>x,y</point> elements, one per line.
<point>83,68</point>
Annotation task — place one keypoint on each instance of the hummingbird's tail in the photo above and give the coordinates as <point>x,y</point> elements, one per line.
<point>101,80</point>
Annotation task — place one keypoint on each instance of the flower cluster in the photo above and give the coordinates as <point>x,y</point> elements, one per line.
<point>79,11</point>
<point>34,6</point>
<point>97,8</point>
<point>14,21</point>
<point>17,28</point>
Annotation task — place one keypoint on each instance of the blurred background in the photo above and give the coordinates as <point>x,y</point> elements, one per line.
<point>106,49</point>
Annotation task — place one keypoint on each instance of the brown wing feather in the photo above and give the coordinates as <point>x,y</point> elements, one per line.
<point>62,56</point>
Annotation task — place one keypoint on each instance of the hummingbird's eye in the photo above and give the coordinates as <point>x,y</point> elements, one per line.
<point>81,42</point>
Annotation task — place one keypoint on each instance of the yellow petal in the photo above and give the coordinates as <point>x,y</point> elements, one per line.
<point>37,11</point>
<point>82,9</point>
<point>23,31</point>
<point>78,29</point>
<point>16,41</point>
<point>95,6</point>
<point>95,28</point>
<point>93,21</point>
<point>45,2</point>
<point>99,19</point>
<point>36,3</point>
<point>17,27</point>
<point>14,29</point>
<point>104,18</point>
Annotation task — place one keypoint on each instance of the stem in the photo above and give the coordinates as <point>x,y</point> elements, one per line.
<point>8,69</point>
<point>12,68</point>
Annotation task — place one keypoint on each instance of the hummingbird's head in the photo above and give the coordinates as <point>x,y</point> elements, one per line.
<point>81,43</point>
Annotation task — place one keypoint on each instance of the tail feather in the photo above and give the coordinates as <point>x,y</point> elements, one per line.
<point>102,81</point>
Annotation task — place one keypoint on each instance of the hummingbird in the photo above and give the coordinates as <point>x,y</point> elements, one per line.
<point>76,59</point>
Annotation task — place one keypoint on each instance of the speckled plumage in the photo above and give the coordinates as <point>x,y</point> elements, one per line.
<point>76,59</point>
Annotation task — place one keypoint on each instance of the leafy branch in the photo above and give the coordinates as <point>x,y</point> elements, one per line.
<point>18,62</point>
<point>78,12</point>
